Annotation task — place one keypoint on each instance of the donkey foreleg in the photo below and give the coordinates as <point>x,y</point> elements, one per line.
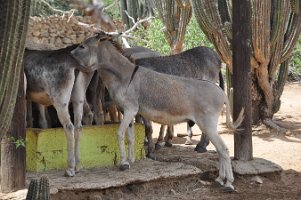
<point>160,139</point>
<point>88,114</point>
<point>78,111</point>
<point>42,116</point>
<point>131,141</point>
<point>189,135</point>
<point>169,135</point>
<point>127,119</point>
<point>64,117</point>
<point>148,133</point>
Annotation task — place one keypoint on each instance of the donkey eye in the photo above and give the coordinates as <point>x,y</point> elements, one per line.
<point>81,46</point>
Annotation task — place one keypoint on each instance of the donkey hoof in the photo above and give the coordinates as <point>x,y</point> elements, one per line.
<point>200,149</point>
<point>69,172</point>
<point>229,189</point>
<point>150,156</point>
<point>188,142</point>
<point>168,144</point>
<point>157,146</point>
<point>77,168</point>
<point>124,167</point>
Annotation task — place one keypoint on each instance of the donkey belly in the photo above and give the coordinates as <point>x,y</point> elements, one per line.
<point>39,97</point>
<point>162,117</point>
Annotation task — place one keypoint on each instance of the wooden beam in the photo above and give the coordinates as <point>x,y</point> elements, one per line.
<point>241,42</point>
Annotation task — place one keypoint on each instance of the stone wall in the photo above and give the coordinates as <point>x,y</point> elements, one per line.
<point>56,32</point>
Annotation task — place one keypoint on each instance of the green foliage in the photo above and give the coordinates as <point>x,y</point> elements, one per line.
<point>295,64</point>
<point>153,37</point>
<point>113,11</point>
<point>20,142</point>
<point>48,7</point>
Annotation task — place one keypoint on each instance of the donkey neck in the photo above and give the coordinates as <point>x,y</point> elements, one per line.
<point>114,66</point>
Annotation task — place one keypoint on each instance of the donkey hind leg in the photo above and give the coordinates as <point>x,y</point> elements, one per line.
<point>201,147</point>
<point>148,133</point>
<point>64,117</point>
<point>160,139</point>
<point>209,127</point>
<point>169,135</point>
<point>127,119</point>
<point>131,141</point>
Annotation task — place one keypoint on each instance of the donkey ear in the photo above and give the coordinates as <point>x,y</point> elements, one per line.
<point>102,36</point>
<point>116,36</point>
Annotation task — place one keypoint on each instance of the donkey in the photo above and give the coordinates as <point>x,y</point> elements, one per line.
<point>51,81</point>
<point>199,63</point>
<point>134,90</point>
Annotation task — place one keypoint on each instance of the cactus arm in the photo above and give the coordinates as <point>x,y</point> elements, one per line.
<point>279,19</point>
<point>291,36</point>
<point>208,17</point>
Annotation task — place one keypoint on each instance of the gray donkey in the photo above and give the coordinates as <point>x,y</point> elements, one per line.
<point>51,81</point>
<point>199,63</point>
<point>134,90</point>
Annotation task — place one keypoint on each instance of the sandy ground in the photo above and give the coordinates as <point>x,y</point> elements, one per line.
<point>282,149</point>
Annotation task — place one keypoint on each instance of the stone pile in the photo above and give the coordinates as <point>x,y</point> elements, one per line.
<point>54,32</point>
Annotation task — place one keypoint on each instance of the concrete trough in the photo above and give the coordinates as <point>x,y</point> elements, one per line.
<point>46,149</point>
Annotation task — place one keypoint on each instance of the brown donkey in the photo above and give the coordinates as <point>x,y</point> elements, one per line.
<point>134,90</point>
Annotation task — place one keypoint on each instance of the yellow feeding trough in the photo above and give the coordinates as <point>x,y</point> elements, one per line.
<point>47,148</point>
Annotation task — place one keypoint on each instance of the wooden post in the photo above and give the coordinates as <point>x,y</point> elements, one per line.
<point>242,77</point>
<point>13,159</point>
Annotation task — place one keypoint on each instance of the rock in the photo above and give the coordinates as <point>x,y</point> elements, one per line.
<point>257,179</point>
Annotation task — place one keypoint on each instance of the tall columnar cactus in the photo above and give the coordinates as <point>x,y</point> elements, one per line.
<point>276,26</point>
<point>14,17</point>
<point>175,15</point>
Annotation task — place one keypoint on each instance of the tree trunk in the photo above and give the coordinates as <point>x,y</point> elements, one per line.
<point>242,78</point>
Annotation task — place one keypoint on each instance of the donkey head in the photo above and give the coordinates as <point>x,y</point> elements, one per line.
<point>93,51</point>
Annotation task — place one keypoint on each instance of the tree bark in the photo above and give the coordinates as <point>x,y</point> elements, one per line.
<point>242,78</point>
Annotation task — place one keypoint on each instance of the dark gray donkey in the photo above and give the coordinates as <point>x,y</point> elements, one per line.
<point>134,90</point>
<point>199,63</point>
<point>51,81</point>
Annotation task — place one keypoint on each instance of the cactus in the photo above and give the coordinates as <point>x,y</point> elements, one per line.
<point>39,189</point>
<point>276,26</point>
<point>32,193</point>
<point>175,15</point>
<point>14,18</point>
<point>44,190</point>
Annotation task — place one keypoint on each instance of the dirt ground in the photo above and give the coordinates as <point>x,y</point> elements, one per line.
<point>282,149</point>
<point>279,148</point>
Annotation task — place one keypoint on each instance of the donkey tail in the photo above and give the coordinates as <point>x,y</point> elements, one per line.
<point>240,118</point>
